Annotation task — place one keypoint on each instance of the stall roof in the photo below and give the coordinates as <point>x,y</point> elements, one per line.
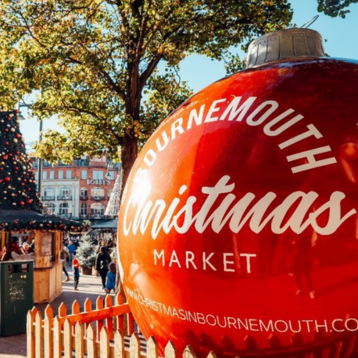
<point>32,220</point>
<point>111,224</point>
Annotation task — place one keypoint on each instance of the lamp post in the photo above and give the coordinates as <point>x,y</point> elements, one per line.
<point>39,162</point>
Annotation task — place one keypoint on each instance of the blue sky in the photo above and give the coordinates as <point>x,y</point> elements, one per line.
<point>340,35</point>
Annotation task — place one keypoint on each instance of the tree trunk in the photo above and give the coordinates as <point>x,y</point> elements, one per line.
<point>130,142</point>
<point>128,156</point>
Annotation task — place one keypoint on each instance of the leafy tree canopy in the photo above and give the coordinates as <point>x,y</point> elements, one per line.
<point>94,63</point>
<point>335,7</point>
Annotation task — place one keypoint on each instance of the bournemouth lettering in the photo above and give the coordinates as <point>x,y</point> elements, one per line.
<point>267,114</point>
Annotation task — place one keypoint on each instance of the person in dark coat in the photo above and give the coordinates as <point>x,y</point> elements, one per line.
<point>102,262</point>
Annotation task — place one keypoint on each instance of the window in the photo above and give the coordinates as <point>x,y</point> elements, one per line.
<point>84,193</point>
<point>97,192</point>
<point>97,209</point>
<point>98,174</point>
<point>52,174</point>
<point>50,209</point>
<point>60,174</point>
<point>84,210</point>
<point>44,175</point>
<point>84,174</point>
<point>65,193</point>
<point>63,209</point>
<point>49,193</point>
<point>68,174</point>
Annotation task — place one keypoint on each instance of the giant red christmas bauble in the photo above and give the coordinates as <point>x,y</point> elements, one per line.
<point>239,219</point>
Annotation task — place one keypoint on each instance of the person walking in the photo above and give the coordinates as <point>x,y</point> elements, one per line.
<point>111,278</point>
<point>72,249</point>
<point>102,262</point>
<point>76,271</point>
<point>103,243</point>
<point>65,255</point>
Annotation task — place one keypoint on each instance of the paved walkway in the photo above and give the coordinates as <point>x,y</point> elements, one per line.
<point>89,287</point>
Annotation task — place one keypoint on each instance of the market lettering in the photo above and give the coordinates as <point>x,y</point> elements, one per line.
<point>297,212</point>
<point>266,114</point>
<point>203,261</point>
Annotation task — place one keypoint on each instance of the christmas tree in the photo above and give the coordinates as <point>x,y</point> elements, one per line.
<point>17,183</point>
<point>86,252</point>
<point>20,206</point>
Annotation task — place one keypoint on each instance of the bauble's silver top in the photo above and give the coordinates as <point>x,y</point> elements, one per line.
<point>286,44</point>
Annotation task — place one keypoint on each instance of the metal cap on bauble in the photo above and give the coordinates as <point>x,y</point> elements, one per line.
<point>286,44</point>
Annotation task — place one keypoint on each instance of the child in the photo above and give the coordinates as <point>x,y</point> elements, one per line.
<point>76,271</point>
<point>111,278</point>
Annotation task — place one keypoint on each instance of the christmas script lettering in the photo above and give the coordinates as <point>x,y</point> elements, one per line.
<point>223,208</point>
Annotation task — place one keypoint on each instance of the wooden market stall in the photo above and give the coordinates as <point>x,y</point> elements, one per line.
<point>47,232</point>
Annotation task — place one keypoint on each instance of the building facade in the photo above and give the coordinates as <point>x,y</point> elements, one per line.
<point>79,190</point>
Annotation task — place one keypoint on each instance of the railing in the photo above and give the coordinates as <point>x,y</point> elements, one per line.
<point>98,197</point>
<point>74,335</point>
<point>48,197</point>
<point>109,332</point>
<point>95,217</point>
<point>64,197</point>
